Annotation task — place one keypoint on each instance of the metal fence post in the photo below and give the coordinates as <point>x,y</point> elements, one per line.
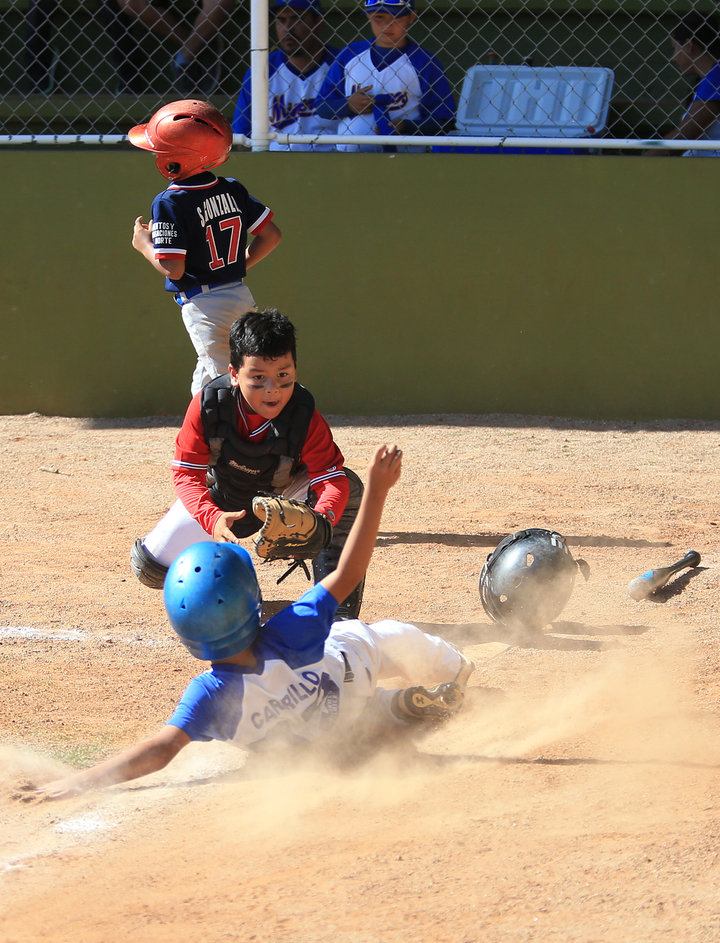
<point>259,51</point>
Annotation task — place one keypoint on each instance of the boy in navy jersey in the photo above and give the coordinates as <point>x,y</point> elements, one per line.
<point>300,678</point>
<point>197,236</point>
<point>389,84</point>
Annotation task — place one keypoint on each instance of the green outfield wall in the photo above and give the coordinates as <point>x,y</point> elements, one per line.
<point>449,283</point>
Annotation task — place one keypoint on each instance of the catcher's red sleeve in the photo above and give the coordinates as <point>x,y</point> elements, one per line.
<point>191,488</point>
<point>324,462</point>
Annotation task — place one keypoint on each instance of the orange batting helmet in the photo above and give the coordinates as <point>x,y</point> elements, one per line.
<point>186,137</point>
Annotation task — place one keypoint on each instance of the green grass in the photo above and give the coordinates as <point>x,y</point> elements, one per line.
<point>82,755</point>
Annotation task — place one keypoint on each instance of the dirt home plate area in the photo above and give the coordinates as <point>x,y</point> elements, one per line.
<point>575,799</point>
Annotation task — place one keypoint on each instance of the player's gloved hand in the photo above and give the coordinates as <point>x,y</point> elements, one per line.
<point>291,529</point>
<point>222,531</point>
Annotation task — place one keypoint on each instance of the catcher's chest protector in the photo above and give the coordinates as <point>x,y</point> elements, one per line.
<point>242,469</point>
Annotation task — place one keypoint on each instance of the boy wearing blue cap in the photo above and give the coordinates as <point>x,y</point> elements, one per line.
<point>388,85</point>
<point>296,73</point>
<point>301,677</point>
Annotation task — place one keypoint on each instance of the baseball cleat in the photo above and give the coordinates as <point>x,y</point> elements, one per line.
<point>349,608</point>
<point>466,669</point>
<point>435,704</point>
<point>327,560</point>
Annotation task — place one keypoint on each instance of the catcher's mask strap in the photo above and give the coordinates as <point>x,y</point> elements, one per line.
<point>293,566</point>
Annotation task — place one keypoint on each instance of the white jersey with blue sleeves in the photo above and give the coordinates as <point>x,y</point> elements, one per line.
<point>293,98</point>
<point>412,78</point>
<point>399,80</point>
<point>292,695</point>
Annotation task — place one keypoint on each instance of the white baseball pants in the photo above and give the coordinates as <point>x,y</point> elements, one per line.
<point>208,318</point>
<point>387,649</point>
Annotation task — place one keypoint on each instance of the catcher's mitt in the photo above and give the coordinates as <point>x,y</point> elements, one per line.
<point>291,529</point>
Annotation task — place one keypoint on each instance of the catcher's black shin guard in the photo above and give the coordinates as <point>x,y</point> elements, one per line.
<point>327,560</point>
<point>146,568</point>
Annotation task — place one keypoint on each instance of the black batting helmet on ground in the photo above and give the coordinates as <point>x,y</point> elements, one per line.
<point>529,578</point>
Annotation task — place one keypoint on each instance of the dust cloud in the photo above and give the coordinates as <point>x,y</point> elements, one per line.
<point>21,766</point>
<point>631,709</point>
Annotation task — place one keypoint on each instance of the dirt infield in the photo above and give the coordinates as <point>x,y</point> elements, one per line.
<point>576,799</point>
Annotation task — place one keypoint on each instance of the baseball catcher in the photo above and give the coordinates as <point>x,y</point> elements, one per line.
<point>254,457</point>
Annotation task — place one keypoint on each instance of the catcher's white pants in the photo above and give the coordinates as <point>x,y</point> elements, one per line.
<point>381,651</point>
<point>208,318</point>
<point>179,530</point>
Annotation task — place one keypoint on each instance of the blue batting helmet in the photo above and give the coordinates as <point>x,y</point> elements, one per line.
<point>213,600</point>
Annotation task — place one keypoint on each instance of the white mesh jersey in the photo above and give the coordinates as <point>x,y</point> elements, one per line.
<point>292,102</point>
<point>399,80</point>
<point>292,694</point>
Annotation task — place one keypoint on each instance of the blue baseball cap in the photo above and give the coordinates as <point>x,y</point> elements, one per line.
<point>314,5</point>
<point>401,8</point>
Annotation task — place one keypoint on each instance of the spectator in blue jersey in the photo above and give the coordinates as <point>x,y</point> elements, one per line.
<point>387,85</point>
<point>696,53</point>
<point>297,71</point>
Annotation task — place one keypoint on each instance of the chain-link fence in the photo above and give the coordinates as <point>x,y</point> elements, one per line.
<point>83,67</point>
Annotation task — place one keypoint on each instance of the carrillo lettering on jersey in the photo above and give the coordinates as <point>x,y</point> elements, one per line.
<point>221,205</point>
<point>295,694</point>
<point>282,115</point>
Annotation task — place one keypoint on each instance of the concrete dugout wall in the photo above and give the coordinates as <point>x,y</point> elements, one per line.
<point>574,286</point>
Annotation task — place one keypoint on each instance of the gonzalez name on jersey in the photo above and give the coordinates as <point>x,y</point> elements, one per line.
<point>205,220</point>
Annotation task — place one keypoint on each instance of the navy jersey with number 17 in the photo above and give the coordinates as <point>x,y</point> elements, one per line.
<point>205,220</point>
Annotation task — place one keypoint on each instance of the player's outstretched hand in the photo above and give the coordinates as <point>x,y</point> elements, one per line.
<point>222,530</point>
<point>384,469</point>
<point>59,789</point>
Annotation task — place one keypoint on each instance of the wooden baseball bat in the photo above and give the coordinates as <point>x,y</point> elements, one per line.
<point>648,583</point>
